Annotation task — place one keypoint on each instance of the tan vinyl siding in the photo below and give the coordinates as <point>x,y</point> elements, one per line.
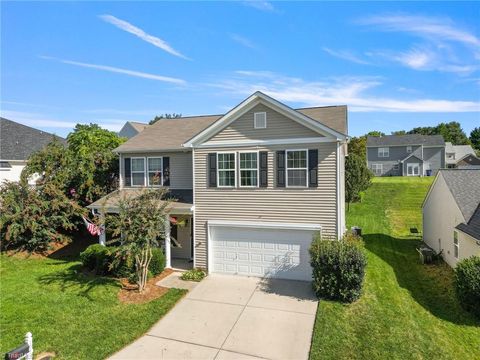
<point>180,168</point>
<point>271,204</point>
<point>278,127</point>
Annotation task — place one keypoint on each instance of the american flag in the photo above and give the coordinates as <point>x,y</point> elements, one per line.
<point>92,228</point>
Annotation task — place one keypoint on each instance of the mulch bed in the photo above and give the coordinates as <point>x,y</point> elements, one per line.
<point>129,293</point>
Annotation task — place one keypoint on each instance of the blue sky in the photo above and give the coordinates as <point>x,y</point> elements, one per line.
<point>396,65</point>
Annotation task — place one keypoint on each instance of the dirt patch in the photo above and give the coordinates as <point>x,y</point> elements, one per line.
<point>130,295</point>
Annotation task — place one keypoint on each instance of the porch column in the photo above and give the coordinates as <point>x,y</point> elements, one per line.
<point>102,238</point>
<point>168,261</point>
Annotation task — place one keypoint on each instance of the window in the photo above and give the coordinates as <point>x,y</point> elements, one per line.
<point>248,169</point>
<point>383,152</point>
<point>5,165</point>
<point>396,167</point>
<point>155,171</point>
<point>377,169</point>
<point>138,171</point>
<point>455,244</point>
<point>260,120</point>
<point>297,168</point>
<point>226,169</point>
<point>409,149</point>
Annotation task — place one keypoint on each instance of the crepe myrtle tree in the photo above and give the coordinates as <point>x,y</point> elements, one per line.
<point>140,225</point>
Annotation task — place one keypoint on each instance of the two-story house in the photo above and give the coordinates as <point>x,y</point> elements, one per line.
<point>460,156</point>
<point>253,185</point>
<point>405,155</point>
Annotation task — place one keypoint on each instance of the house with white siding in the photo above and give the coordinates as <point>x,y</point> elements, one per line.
<point>252,186</point>
<point>451,214</point>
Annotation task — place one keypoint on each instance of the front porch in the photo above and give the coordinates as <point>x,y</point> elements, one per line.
<point>178,243</point>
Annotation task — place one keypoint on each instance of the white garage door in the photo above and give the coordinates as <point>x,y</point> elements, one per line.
<point>261,251</point>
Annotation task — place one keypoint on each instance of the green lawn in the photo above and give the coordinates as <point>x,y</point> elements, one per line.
<point>73,315</point>
<point>407,311</point>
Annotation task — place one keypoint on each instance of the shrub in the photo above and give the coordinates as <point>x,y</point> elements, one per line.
<point>157,264</point>
<point>196,274</point>
<point>352,238</point>
<point>338,269</point>
<point>467,284</point>
<point>97,258</point>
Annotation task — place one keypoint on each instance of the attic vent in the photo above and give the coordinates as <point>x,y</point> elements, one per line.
<point>260,120</point>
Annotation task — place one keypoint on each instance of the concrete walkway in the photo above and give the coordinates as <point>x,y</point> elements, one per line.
<point>233,317</point>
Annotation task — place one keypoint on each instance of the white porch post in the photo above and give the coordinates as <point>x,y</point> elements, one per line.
<point>102,238</point>
<point>168,260</point>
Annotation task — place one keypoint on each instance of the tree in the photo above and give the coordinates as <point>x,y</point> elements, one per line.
<point>376,133</point>
<point>358,146</point>
<point>451,132</point>
<point>399,132</point>
<point>357,178</point>
<point>165,116</point>
<point>32,218</point>
<point>475,138</point>
<point>139,224</point>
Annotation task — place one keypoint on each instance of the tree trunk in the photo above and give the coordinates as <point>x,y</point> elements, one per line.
<point>142,262</point>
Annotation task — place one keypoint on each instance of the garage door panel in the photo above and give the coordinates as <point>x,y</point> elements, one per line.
<point>279,253</point>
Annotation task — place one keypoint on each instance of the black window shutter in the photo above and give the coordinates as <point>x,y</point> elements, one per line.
<point>212,170</point>
<point>166,171</point>
<point>263,168</point>
<point>312,168</point>
<point>281,168</point>
<point>126,172</point>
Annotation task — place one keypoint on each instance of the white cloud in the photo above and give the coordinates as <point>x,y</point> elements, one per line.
<point>437,28</point>
<point>260,5</point>
<point>345,55</point>
<point>353,91</point>
<point>243,41</point>
<point>119,71</point>
<point>132,29</point>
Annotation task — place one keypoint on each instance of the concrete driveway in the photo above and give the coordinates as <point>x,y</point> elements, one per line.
<point>233,317</point>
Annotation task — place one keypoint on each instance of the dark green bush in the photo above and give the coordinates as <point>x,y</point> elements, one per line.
<point>467,284</point>
<point>157,264</point>
<point>338,269</point>
<point>97,258</point>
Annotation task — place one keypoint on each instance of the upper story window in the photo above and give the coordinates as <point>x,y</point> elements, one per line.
<point>260,120</point>
<point>455,244</point>
<point>155,171</point>
<point>383,152</point>
<point>248,169</point>
<point>138,171</point>
<point>226,169</point>
<point>297,168</point>
<point>409,149</point>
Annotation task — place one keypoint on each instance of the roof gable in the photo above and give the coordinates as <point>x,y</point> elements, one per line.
<point>464,184</point>
<point>254,100</point>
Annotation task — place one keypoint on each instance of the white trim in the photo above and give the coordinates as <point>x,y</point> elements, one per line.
<point>306,169</point>
<point>255,120</point>
<point>161,171</point>
<point>138,172</point>
<point>339,210</point>
<point>413,166</point>
<point>376,167</point>
<point>288,141</point>
<point>240,169</point>
<point>254,225</point>
<point>168,250</point>
<point>234,169</point>
<point>249,103</point>
<point>193,212</point>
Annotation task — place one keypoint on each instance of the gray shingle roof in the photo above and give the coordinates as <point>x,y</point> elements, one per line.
<point>18,142</point>
<point>460,152</point>
<point>464,184</point>
<point>404,140</point>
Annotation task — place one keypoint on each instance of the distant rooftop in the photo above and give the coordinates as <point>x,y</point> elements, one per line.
<point>405,140</point>
<point>18,142</point>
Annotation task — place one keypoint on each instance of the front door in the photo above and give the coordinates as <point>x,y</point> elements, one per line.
<point>413,169</point>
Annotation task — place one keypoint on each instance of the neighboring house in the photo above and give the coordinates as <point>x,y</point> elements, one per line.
<point>253,185</point>
<point>131,128</point>
<point>451,214</point>
<point>17,143</point>
<point>405,155</point>
<point>460,156</point>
